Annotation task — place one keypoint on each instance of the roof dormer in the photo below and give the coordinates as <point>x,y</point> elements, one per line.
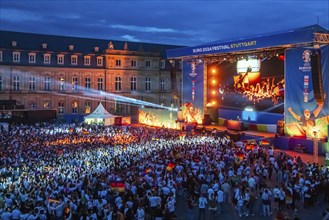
<point>14,43</point>
<point>44,45</point>
<point>71,47</point>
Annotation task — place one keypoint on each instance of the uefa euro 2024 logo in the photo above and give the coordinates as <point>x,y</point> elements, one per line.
<point>193,67</point>
<point>307,56</point>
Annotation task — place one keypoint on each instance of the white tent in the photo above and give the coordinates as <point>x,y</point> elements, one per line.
<point>100,116</point>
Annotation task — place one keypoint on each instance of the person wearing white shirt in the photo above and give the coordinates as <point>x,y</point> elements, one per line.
<point>252,183</point>
<point>220,200</point>
<point>6,215</point>
<point>202,207</point>
<point>171,205</point>
<point>140,213</point>
<point>266,202</point>
<point>16,213</point>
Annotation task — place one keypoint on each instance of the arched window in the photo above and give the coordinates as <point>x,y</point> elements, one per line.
<point>61,107</point>
<point>162,85</point>
<point>118,83</point>
<point>148,84</point>
<point>133,83</point>
<point>75,107</point>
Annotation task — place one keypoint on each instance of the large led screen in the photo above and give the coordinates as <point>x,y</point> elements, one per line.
<point>248,83</point>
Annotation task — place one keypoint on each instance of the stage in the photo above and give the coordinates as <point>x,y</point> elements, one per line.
<point>258,134</point>
<point>281,143</point>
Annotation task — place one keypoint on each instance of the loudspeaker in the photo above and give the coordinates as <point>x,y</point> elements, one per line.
<point>317,76</point>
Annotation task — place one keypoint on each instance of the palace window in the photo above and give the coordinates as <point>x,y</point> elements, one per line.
<point>61,107</point>
<point>32,105</point>
<point>75,107</point>
<point>32,83</point>
<point>32,57</point>
<point>99,61</point>
<point>162,64</point>
<point>16,83</point>
<point>60,59</point>
<point>88,106</point>
<point>133,83</point>
<point>148,63</point>
<point>74,60</point>
<point>47,83</point>
<point>46,58</point>
<point>147,84</point>
<point>75,83</point>
<point>61,83</point>
<point>87,83</point>
<point>46,104</point>
<point>118,84</point>
<point>134,63</point>
<point>16,57</point>
<point>1,83</point>
<point>162,85</point>
<point>87,60</point>
<point>100,83</point>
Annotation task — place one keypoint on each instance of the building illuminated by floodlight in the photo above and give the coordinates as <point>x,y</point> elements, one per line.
<point>72,75</point>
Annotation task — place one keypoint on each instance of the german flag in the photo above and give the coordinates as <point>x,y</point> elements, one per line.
<point>118,186</point>
<point>239,156</point>
<point>84,131</point>
<point>264,142</point>
<point>170,166</point>
<point>250,147</point>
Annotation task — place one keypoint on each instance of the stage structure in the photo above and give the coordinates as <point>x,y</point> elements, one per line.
<point>263,80</point>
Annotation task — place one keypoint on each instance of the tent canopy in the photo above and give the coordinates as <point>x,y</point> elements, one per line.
<point>280,39</point>
<point>100,113</point>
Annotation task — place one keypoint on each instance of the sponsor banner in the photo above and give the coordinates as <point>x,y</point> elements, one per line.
<point>304,116</point>
<point>193,86</point>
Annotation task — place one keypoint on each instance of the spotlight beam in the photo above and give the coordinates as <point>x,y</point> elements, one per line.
<point>95,94</point>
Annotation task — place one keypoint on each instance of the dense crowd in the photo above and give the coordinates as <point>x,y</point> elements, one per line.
<point>95,172</point>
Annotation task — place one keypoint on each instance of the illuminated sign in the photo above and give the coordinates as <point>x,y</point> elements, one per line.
<point>243,65</point>
<point>225,46</point>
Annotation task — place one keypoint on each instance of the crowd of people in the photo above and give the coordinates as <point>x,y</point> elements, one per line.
<point>50,171</point>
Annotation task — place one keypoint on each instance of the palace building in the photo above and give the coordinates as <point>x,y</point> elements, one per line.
<point>71,75</point>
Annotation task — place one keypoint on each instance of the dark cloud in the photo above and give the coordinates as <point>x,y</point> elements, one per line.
<point>169,22</point>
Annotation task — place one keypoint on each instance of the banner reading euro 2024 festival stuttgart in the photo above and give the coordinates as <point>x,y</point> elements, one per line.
<point>304,116</point>
<point>192,108</point>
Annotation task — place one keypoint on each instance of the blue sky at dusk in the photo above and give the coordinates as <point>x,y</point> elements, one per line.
<point>167,22</point>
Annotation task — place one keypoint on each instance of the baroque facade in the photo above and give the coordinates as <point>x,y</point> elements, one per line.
<point>72,75</point>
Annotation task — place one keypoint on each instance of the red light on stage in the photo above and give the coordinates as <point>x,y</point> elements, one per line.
<point>281,57</point>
